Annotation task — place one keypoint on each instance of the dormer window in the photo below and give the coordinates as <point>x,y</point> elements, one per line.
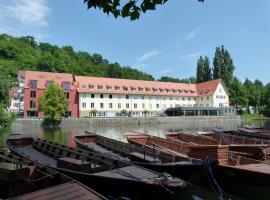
<point>154,89</point>
<point>66,86</point>
<point>133,89</point>
<point>117,88</point>
<point>140,88</point>
<point>186,91</point>
<point>168,90</point>
<point>100,87</point>
<point>91,87</point>
<point>147,89</point>
<point>83,87</point>
<point>125,88</point>
<point>179,90</point>
<point>161,90</point>
<point>109,87</point>
<point>174,90</point>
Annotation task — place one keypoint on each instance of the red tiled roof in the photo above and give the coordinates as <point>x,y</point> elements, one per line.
<point>43,77</point>
<point>207,88</point>
<point>96,81</point>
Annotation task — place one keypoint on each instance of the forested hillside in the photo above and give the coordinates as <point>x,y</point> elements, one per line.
<point>26,54</point>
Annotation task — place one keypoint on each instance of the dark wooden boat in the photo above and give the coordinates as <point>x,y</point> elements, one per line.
<point>22,180</point>
<point>256,151</point>
<point>260,133</point>
<point>231,168</point>
<point>180,166</point>
<point>108,175</point>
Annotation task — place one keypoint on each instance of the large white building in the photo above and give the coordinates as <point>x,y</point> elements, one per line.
<point>108,97</point>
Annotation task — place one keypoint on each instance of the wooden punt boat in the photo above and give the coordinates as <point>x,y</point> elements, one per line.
<point>21,180</point>
<point>183,167</point>
<point>104,174</point>
<point>231,168</point>
<point>256,151</point>
<point>260,133</point>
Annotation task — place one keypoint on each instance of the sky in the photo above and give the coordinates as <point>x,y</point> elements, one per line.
<point>164,42</point>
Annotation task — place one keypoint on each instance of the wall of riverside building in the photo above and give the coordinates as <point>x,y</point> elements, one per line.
<point>137,104</point>
<point>221,97</point>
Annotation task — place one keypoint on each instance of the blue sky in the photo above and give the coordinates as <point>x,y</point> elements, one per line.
<point>165,42</point>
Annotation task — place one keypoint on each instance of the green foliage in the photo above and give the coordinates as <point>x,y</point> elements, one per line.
<point>176,80</point>
<point>124,112</point>
<point>6,119</point>
<point>266,100</point>
<point>131,8</point>
<point>26,54</point>
<point>53,103</point>
<point>203,70</point>
<point>223,66</point>
<point>145,112</point>
<point>238,93</point>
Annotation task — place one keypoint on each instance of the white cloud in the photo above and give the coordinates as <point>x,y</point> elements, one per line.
<point>146,56</point>
<point>241,33</point>
<point>24,17</point>
<point>191,58</point>
<point>192,34</point>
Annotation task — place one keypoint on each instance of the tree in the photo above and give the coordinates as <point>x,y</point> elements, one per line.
<point>94,112</point>
<point>238,94</point>
<point>131,9</point>
<point>223,66</point>
<point>203,70</point>
<point>145,112</point>
<point>53,103</point>
<point>266,100</point>
<point>6,119</point>
<point>124,112</point>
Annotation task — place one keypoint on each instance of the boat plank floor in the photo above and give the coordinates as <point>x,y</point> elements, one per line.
<point>36,155</point>
<point>65,191</point>
<point>131,171</point>
<point>96,147</point>
<point>264,168</point>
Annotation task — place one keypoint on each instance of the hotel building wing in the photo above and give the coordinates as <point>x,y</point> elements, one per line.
<point>109,96</point>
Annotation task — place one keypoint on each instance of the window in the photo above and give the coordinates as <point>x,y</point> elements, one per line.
<point>157,106</point>
<point>110,96</point>
<point>189,98</point>
<point>143,105</point>
<point>101,105</point>
<point>142,97</point>
<point>164,105</point>
<point>140,89</point>
<point>119,96</point>
<point>150,97</point>
<point>33,94</point>
<point>127,105</point>
<point>83,95</point>
<point>67,95</point>
<point>32,104</point>
<point>201,98</point>
<point>127,97</point>
<point>92,96</point>
<point>92,105</point>
<point>154,90</point>
<point>157,97</point>
<point>194,98</point>
<point>125,88</point>
<point>100,87</point>
<point>135,105</point>
<point>66,86</point>
<point>119,105</point>
<point>83,87</point>
<point>183,98</point>
<point>101,96</point>
<point>150,106</point>
<point>117,88</point>
<point>147,89</point>
<point>33,84</point>
<point>109,87</point>
<point>91,87</point>
<point>83,105</point>
<point>133,89</point>
<point>110,105</point>
<point>171,98</point>
<point>207,98</point>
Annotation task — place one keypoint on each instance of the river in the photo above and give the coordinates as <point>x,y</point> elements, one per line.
<point>64,135</point>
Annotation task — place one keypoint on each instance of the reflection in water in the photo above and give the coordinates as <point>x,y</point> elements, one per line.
<point>4,133</point>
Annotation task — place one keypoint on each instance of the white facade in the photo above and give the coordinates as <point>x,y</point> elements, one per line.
<point>110,105</point>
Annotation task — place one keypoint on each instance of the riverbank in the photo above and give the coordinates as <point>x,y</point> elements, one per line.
<point>216,121</point>
<point>254,117</point>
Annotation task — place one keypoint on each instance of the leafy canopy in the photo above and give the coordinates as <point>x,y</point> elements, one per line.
<point>53,103</point>
<point>131,9</point>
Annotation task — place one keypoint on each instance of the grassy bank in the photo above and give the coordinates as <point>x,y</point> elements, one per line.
<point>249,116</point>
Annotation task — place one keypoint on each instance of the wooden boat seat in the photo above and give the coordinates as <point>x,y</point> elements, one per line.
<point>79,165</point>
<point>139,157</point>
